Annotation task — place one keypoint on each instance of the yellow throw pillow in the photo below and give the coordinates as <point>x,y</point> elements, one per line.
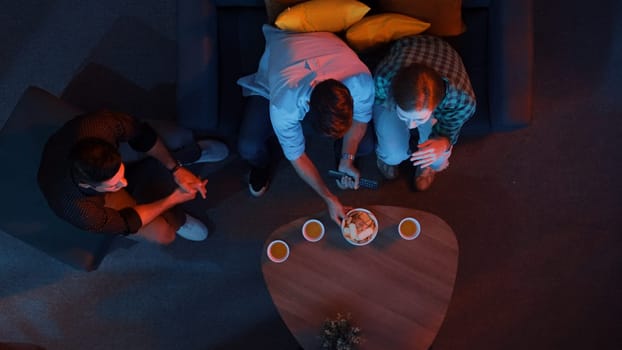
<point>321,16</point>
<point>383,28</point>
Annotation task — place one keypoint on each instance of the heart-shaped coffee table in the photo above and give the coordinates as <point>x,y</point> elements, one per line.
<point>397,291</point>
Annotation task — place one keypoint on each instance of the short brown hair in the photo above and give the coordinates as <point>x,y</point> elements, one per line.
<point>94,160</point>
<point>331,108</point>
<point>416,87</point>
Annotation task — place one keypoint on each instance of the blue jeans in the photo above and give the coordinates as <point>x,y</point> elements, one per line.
<point>392,134</point>
<point>256,129</point>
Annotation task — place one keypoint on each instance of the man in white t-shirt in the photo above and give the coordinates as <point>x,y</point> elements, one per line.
<point>312,77</point>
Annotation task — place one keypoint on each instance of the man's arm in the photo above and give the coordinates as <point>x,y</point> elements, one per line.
<point>149,211</point>
<point>451,116</point>
<point>351,141</point>
<point>183,177</point>
<point>308,172</point>
<point>161,153</point>
<point>456,109</point>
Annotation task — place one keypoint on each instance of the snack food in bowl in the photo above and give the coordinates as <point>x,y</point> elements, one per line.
<point>359,227</point>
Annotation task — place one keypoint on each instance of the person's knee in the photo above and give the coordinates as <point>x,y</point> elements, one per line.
<point>248,149</point>
<point>442,163</point>
<point>392,151</point>
<point>158,231</point>
<point>167,236</point>
<point>440,166</point>
<point>392,158</point>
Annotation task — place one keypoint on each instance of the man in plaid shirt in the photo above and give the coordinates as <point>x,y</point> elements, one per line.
<point>423,97</point>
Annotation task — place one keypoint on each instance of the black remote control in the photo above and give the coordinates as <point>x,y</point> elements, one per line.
<point>367,183</point>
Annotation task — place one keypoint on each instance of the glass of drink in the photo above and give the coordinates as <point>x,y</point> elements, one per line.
<point>313,230</point>
<point>409,228</point>
<point>278,251</point>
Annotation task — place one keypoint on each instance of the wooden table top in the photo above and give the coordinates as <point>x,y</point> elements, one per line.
<point>397,291</point>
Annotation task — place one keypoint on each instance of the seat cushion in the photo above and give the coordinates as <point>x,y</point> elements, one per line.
<point>24,212</point>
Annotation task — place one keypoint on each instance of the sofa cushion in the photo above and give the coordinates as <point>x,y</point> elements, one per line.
<point>25,214</point>
<point>383,28</point>
<point>321,16</point>
<point>445,16</point>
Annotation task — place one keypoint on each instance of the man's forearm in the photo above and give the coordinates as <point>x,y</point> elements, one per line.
<point>353,137</point>
<point>309,173</point>
<point>161,153</point>
<point>150,211</point>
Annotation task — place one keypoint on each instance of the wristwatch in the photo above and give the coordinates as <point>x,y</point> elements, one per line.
<point>347,156</point>
<point>176,167</point>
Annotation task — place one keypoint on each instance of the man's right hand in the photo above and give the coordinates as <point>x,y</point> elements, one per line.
<point>149,211</point>
<point>189,181</point>
<point>308,172</point>
<point>181,196</point>
<point>336,210</point>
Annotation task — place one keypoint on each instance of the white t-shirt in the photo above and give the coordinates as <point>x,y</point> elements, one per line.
<point>291,65</point>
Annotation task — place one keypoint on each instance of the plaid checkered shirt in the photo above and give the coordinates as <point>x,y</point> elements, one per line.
<point>459,102</point>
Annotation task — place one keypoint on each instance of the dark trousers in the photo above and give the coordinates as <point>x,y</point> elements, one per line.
<point>149,181</point>
<point>256,130</point>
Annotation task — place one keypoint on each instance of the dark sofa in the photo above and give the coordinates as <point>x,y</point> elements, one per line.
<point>220,41</point>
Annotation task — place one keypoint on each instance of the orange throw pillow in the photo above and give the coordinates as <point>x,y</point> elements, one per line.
<point>321,16</point>
<point>383,28</point>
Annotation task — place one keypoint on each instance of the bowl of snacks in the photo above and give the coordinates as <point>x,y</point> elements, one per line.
<point>359,227</point>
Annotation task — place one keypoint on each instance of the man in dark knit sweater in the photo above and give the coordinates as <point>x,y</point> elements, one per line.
<point>83,178</point>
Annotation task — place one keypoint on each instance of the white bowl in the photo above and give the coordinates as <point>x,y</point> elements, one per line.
<point>346,227</point>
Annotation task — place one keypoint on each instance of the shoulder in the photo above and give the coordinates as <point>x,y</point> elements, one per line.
<point>67,202</point>
<point>457,99</point>
<point>361,86</point>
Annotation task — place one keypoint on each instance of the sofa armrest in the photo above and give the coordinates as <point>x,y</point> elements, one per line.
<point>511,63</point>
<point>197,69</point>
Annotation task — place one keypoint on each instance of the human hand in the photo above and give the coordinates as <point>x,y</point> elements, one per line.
<point>351,181</point>
<point>180,195</point>
<point>430,151</point>
<point>336,210</point>
<point>190,182</point>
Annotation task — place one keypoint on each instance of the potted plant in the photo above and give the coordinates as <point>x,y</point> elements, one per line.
<point>339,334</point>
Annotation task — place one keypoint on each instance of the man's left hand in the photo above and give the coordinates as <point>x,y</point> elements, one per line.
<point>430,151</point>
<point>190,182</point>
